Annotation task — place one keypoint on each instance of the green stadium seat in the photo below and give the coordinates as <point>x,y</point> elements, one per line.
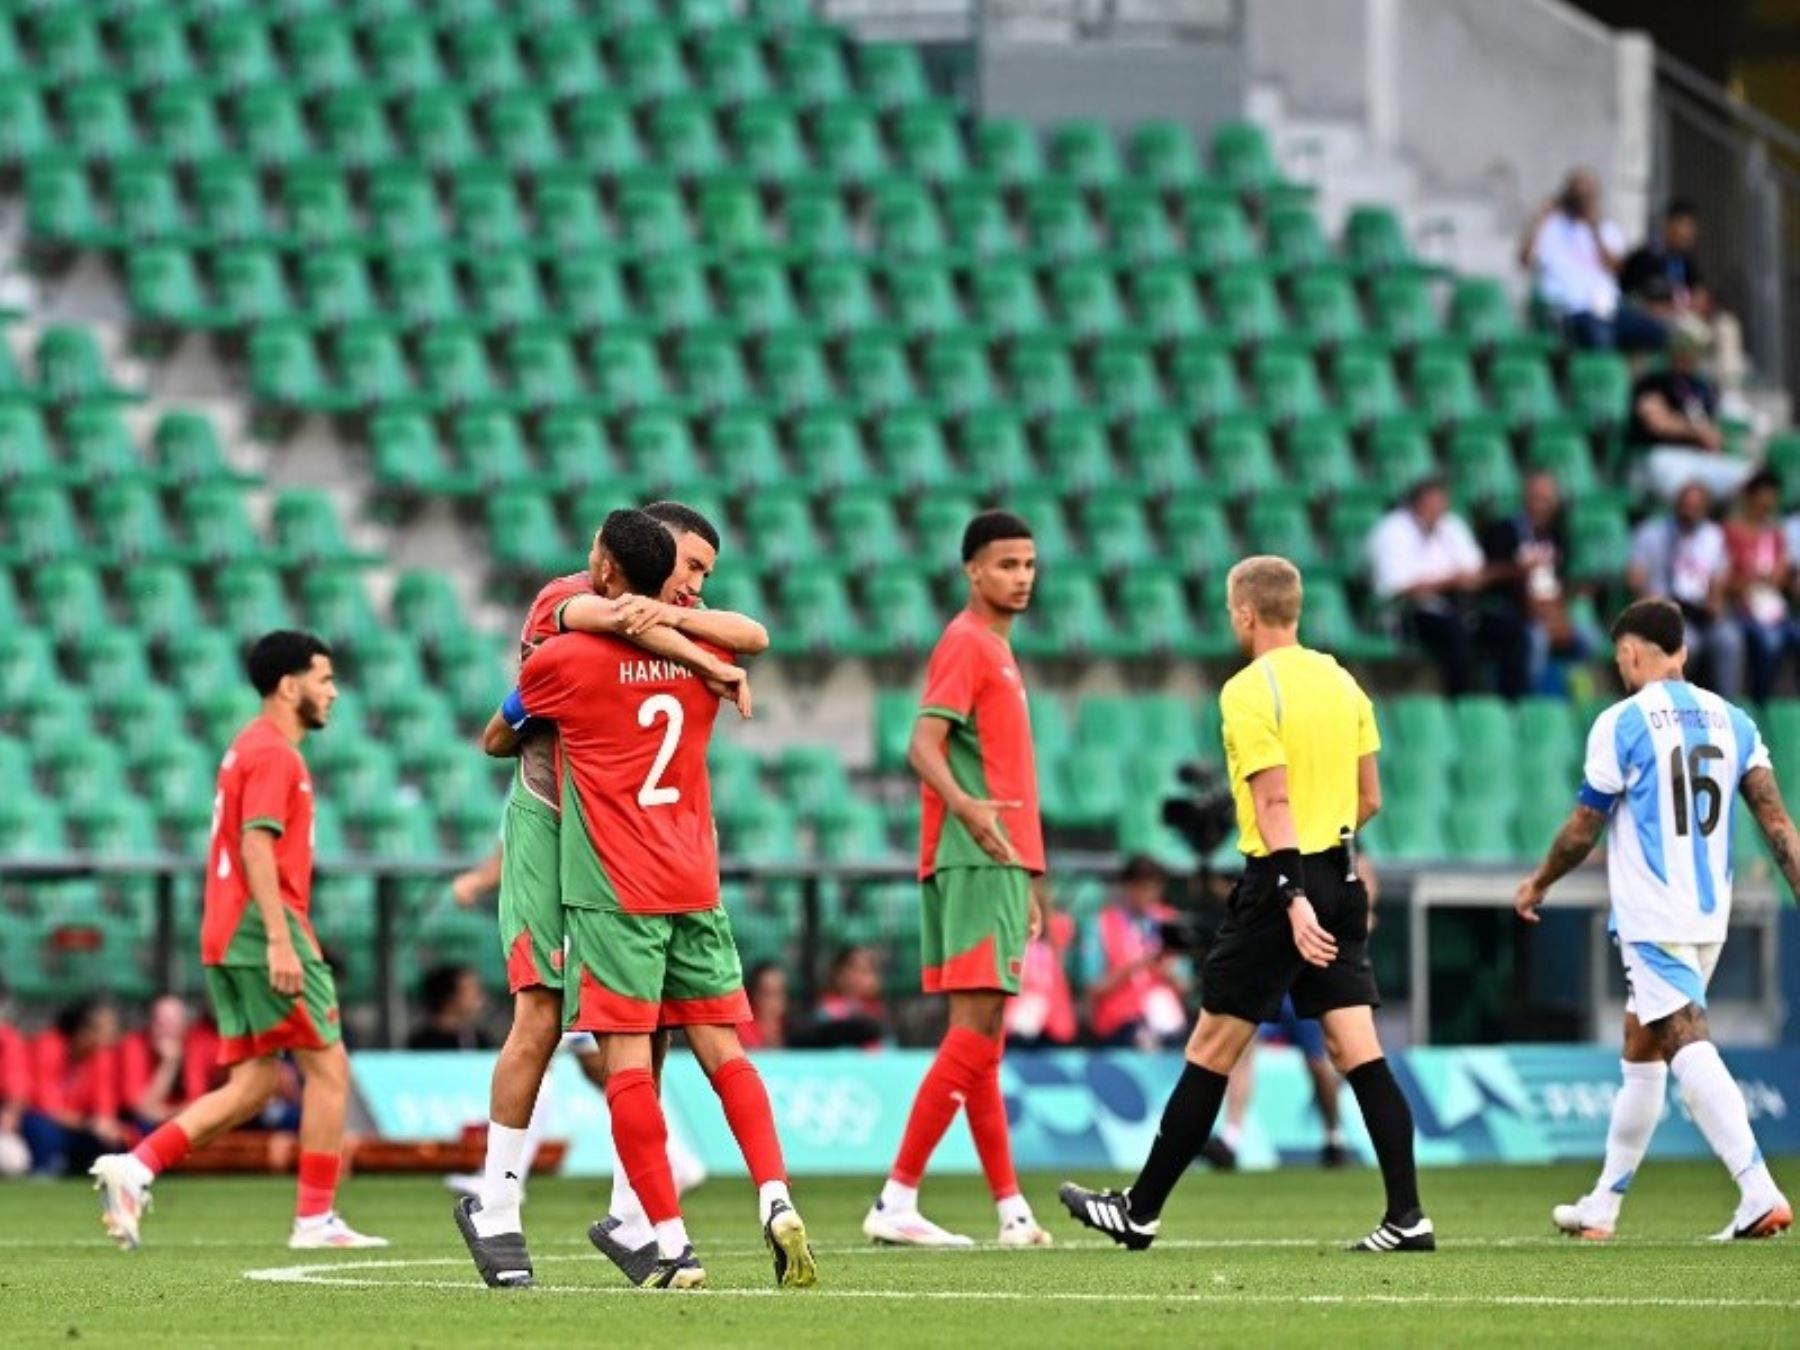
<point>1137,224</point>
<point>155,48</point>
<point>184,124</point>
<point>250,600</point>
<point>731,66</point>
<point>759,829</point>
<point>371,368</point>
<point>307,529</point>
<point>1781,453</point>
<point>1069,616</point>
<point>756,295</point>
<point>1203,380</point>
<point>1218,234</point>
<point>1366,386</point>
<point>487,210</point>
<point>711,371</point>
<point>317,205</point>
<point>438,130</point>
<point>1404,309</point>
<point>1561,447</point>
<point>906,221</point>
<point>1042,376</point>
<point>1325,306</point>
<point>601,135</point>
<point>69,598</point>
<point>1352,519</point>
<point>405,56</point>
<point>238,51</point>
<point>910,449</point>
<point>1276,523</point>
<point>875,370</point>
<point>649,60</point>
<point>1482,313</point>
<point>1166,302</point>
<point>59,203</point>
<point>1375,239</point>
<point>523,532</point>
<point>525,125</point>
<point>337,605</point>
<point>1008,151</point>
<point>1247,304</point>
<point>1116,531</point>
<point>1599,388</point>
<point>41,522</point>
<point>574,450</point>
<point>956,373</point>
<point>187,448</point>
<point>130,518</point>
<point>321,52</point>
<point>840,295</point>
<point>1240,455</point>
<point>1123,374</point>
<point>160,600</point>
<point>794,374</point>
<point>1159,620</point>
<point>828,451</point>
<point>662,454</point>
<point>216,522</point>
<point>202,662</point>
<point>906,618</point>
<point>566,214</point>
<point>355,129</point>
<point>590,293</point>
<point>1076,458</point>
<point>97,122</point>
<point>1057,222</point>
<point>146,201</point>
<point>1085,152</point>
<point>1164,153</point>
<point>652,218</point>
<point>164,287</point>
<point>1041,505</point>
<point>1599,541</point>
<point>930,140</point>
<point>1400,454</point>
<point>995,446</point>
<point>453,366</point>
<point>922,298</point>
<point>1319,455</point>
<point>1286,382</point>
<point>818,615</point>
<point>70,366</point>
<point>230,202</point>
<point>504,289</point>
<point>731,218</point>
<point>1006,300</point>
<point>743,445</point>
<point>684,138</point>
<point>1244,158</point>
<point>487,59</point>
<point>625,372</point>
<point>1087,300</point>
<point>491,448</point>
<point>335,286</point>
<point>866,529</point>
<point>890,75</point>
<point>1443,382</point>
<point>1482,472</point>
<point>426,605</point>
<point>69,44</point>
<point>1524,392</point>
<point>24,443</point>
<point>816,223</point>
<point>1159,453</point>
<point>938,523</point>
<point>27,668</point>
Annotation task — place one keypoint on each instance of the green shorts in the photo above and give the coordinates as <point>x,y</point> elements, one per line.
<point>531,911</point>
<point>973,925</point>
<point>255,1021</point>
<point>636,972</point>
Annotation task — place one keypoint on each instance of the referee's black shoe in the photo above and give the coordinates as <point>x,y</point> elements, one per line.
<point>1108,1212</point>
<point>1410,1233</point>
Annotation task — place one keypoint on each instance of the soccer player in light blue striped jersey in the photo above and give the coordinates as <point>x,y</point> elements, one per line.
<point>1664,768</point>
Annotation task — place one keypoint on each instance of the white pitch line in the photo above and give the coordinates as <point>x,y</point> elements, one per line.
<point>332,1275</point>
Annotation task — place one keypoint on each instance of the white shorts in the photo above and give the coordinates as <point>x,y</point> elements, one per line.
<point>580,1042</point>
<point>1664,977</point>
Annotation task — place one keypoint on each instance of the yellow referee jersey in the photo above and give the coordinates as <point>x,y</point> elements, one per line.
<point>1298,708</point>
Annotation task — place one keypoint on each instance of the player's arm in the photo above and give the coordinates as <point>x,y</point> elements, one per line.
<point>477,881</point>
<point>1573,842</point>
<point>594,614</point>
<point>637,617</point>
<point>1368,789</point>
<point>264,879</point>
<point>928,756</point>
<point>1275,823</point>
<point>1764,796</point>
<point>505,731</point>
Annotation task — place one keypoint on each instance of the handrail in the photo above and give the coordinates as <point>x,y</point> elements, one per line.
<point>1719,101</point>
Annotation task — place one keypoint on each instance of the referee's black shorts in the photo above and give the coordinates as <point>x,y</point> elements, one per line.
<point>1253,963</point>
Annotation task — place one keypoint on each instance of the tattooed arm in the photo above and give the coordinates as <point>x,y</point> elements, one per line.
<point>1764,796</point>
<point>1580,832</point>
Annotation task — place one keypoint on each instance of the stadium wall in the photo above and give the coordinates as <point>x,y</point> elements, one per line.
<point>1496,99</point>
<point>842,1112</point>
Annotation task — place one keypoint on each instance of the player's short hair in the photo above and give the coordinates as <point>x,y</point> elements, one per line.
<point>990,527</point>
<point>1657,622</point>
<point>286,651</point>
<point>643,549</point>
<point>1681,208</point>
<point>1270,586</point>
<point>683,519</point>
<point>440,986</point>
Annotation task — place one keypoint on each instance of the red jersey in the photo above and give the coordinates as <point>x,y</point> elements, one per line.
<point>973,683</point>
<point>537,778</point>
<point>137,1066</point>
<point>634,733</point>
<point>62,1086</point>
<point>15,1068</point>
<point>263,783</point>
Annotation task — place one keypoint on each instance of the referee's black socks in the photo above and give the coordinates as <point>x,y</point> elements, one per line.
<point>1390,1124</point>
<point>1187,1123</point>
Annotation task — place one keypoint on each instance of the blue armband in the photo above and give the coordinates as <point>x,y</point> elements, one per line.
<point>513,711</point>
<point>1596,800</point>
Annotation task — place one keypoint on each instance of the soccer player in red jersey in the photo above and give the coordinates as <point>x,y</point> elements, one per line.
<point>270,989</point>
<point>981,872</point>
<point>649,944</point>
<point>601,600</point>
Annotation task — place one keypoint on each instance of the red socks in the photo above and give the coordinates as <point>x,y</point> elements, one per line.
<point>318,1185</point>
<point>987,1123</point>
<point>752,1120</point>
<point>962,1061</point>
<point>163,1148</point>
<point>641,1140</point>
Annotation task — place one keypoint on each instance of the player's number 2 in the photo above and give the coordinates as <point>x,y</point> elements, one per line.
<point>653,793</point>
<point>1689,774</point>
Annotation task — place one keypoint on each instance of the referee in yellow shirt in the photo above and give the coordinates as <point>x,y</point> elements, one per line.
<point>1300,746</point>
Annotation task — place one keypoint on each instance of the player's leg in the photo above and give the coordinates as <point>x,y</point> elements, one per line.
<point>1668,985</point>
<point>641,1143</point>
<point>1636,1109</point>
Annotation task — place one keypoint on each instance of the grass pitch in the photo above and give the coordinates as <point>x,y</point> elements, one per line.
<point>1244,1259</point>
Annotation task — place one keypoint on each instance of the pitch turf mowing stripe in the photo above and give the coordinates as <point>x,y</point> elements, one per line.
<point>339,1275</point>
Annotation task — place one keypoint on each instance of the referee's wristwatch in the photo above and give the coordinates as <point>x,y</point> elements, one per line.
<point>1290,875</point>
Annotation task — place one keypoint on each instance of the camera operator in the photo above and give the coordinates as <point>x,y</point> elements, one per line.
<point>1136,993</point>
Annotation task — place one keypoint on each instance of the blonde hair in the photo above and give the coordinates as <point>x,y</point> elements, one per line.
<point>1270,586</point>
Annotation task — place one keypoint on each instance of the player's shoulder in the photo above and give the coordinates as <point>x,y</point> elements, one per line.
<point>561,588</point>
<point>260,742</point>
<point>964,635</point>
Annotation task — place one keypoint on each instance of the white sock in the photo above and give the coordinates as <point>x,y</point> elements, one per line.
<point>671,1238</point>
<point>635,1229</point>
<point>1229,1135</point>
<point>903,1199</point>
<point>767,1194</point>
<point>1013,1210</point>
<point>319,1221</point>
<point>535,1127</point>
<point>1334,1137</point>
<point>502,1180</point>
<point>1718,1108</point>
<point>1635,1112</point>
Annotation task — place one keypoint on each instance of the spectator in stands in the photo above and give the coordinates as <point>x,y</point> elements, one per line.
<point>1573,254</point>
<point>1526,594</point>
<point>1426,564</point>
<point>1681,556</point>
<point>1662,277</point>
<point>1136,994</point>
<point>1674,426</point>
<point>454,1003</point>
<point>74,1115</point>
<point>1761,573</point>
<point>1043,1014</point>
<point>768,990</point>
<point>166,1065</point>
<point>850,1012</point>
<point>15,1092</point>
